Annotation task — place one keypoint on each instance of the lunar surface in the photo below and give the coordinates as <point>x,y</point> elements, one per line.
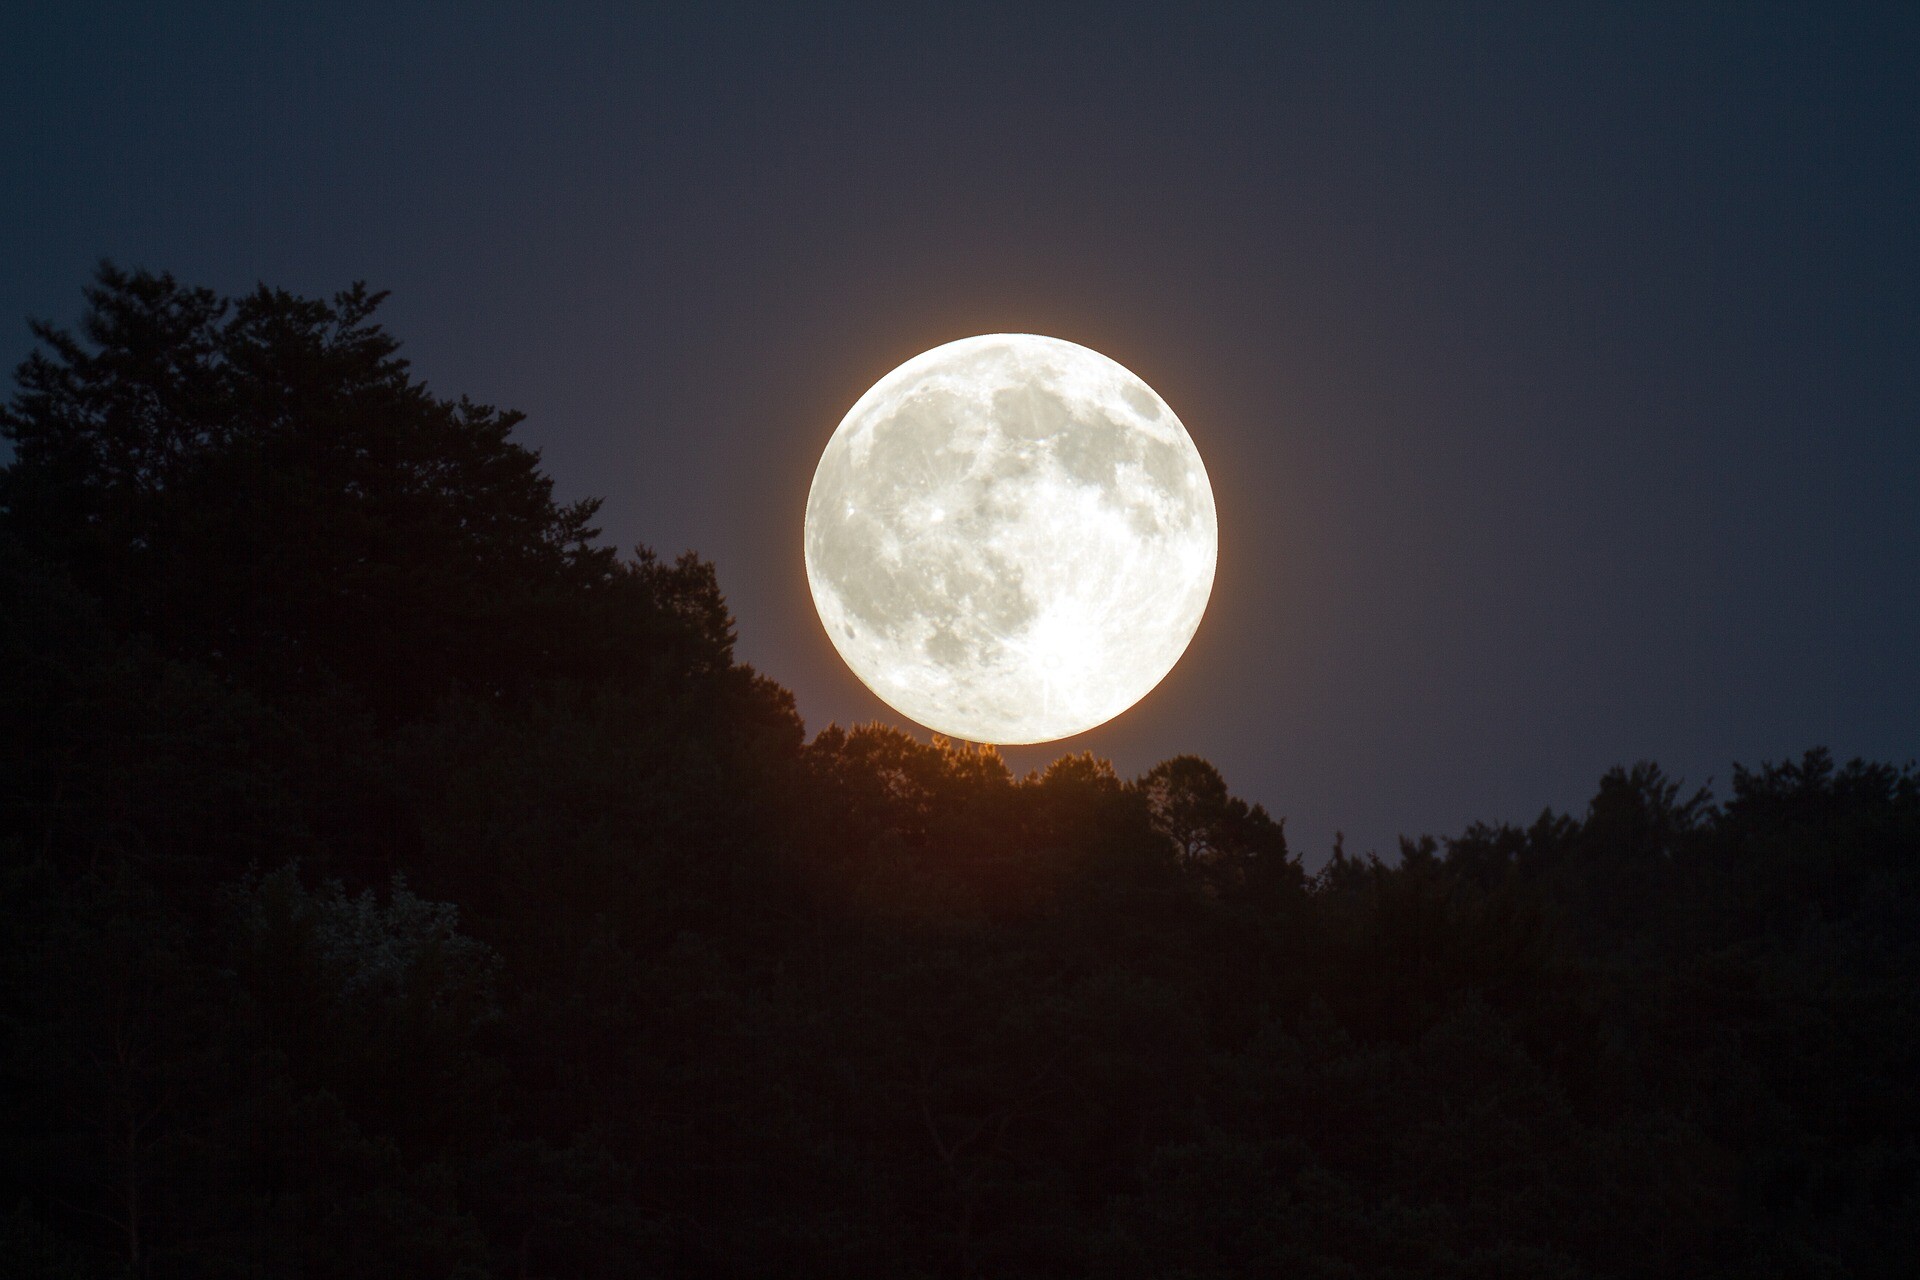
<point>1010,539</point>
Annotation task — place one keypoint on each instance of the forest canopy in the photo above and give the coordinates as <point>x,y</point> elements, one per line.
<point>396,881</point>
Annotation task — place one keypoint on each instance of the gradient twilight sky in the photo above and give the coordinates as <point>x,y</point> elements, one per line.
<point>1557,368</point>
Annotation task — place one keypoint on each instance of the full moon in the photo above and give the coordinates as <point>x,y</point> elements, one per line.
<point>1010,539</point>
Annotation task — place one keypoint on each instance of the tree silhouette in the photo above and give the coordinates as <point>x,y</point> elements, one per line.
<point>1217,834</point>
<point>259,484</point>
<point>394,882</point>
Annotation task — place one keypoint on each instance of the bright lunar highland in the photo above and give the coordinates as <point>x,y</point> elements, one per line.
<point>1010,539</point>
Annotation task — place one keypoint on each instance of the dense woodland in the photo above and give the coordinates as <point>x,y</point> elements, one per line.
<point>396,882</point>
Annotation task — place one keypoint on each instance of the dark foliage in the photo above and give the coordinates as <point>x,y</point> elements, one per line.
<point>395,883</point>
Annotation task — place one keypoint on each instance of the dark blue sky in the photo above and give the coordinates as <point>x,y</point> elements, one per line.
<point>1558,370</point>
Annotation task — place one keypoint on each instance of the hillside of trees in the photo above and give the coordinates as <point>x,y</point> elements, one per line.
<point>396,882</point>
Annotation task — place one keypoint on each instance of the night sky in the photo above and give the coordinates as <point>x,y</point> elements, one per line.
<point>1557,370</point>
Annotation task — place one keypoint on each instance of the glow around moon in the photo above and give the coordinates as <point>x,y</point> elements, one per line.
<point>1010,539</point>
